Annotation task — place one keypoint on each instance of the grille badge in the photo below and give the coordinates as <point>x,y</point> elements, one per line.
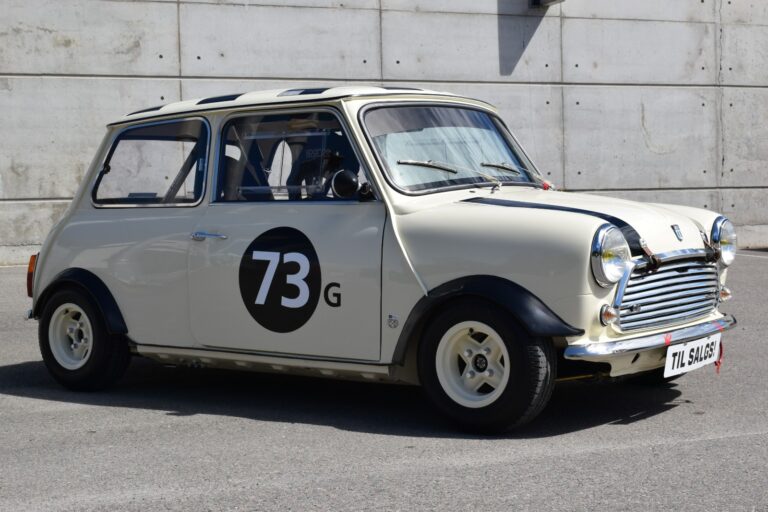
<point>678,233</point>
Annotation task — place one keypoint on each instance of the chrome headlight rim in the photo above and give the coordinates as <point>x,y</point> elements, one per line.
<point>723,227</point>
<point>603,278</point>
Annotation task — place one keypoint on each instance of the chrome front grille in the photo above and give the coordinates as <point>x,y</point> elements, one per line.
<point>673,293</point>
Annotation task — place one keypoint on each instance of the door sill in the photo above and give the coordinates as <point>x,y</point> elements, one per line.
<point>266,363</point>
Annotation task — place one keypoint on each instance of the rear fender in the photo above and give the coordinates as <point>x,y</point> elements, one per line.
<point>89,283</point>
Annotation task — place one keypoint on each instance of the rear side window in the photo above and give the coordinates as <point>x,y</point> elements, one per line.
<point>159,164</point>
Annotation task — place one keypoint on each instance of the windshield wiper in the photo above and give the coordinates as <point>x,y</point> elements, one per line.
<point>487,177</point>
<point>504,167</point>
<point>431,164</point>
<point>454,169</point>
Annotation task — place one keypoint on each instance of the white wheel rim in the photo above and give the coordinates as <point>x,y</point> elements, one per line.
<point>472,364</point>
<point>70,336</point>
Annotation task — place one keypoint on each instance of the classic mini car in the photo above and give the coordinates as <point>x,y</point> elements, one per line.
<point>385,234</point>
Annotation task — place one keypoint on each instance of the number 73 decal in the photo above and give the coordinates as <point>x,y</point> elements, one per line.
<point>297,279</point>
<point>280,280</point>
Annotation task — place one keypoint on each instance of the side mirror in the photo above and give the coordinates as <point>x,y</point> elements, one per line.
<point>366,192</point>
<point>344,184</point>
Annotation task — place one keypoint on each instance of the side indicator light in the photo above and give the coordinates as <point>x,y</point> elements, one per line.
<point>31,273</point>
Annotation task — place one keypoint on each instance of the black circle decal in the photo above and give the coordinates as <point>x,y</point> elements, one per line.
<point>280,279</point>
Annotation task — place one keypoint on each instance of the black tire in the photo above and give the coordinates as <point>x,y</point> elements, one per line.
<point>532,370</point>
<point>109,354</point>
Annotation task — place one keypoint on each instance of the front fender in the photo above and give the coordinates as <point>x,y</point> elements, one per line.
<point>525,307</point>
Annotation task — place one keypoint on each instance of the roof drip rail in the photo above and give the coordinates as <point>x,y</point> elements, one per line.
<point>544,3</point>
<point>219,99</point>
<point>301,92</point>
<point>150,109</point>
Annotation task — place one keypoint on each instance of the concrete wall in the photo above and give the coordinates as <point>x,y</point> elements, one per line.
<point>656,100</point>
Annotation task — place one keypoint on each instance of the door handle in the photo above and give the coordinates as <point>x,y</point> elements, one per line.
<point>199,236</point>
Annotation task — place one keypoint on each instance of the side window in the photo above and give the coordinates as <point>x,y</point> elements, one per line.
<point>283,157</point>
<point>157,164</point>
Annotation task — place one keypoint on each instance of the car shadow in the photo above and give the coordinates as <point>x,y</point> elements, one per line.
<point>354,406</point>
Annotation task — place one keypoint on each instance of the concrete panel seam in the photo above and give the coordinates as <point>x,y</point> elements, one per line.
<point>531,15</point>
<point>178,38</point>
<point>562,100</point>
<point>11,200</point>
<point>744,24</point>
<point>33,200</point>
<point>381,44</point>
<point>463,13</point>
<point>366,80</point>
<point>720,149</point>
<point>636,20</point>
<point>178,42</point>
<point>248,4</point>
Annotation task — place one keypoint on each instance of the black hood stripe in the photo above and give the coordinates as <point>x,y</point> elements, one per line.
<point>632,236</point>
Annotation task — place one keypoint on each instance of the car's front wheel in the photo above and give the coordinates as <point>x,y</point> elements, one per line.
<point>483,370</point>
<point>76,346</point>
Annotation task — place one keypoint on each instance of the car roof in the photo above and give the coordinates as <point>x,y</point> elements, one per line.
<point>274,96</point>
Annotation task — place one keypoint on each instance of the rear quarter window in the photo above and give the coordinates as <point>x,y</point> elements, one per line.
<point>160,164</point>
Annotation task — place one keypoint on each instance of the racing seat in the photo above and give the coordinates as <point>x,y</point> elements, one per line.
<point>245,183</point>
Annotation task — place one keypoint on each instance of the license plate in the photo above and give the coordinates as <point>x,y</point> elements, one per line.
<point>692,355</point>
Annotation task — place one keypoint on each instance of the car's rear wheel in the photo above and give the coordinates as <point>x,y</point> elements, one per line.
<point>484,371</point>
<point>75,344</point>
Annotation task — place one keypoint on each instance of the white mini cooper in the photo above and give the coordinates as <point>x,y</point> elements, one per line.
<point>385,234</point>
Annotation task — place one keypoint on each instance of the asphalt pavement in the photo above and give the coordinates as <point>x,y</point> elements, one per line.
<point>185,439</point>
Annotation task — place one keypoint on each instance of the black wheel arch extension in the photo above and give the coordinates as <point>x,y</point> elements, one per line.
<point>91,284</point>
<point>525,307</point>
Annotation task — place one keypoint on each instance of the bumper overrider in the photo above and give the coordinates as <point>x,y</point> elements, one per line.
<point>607,351</point>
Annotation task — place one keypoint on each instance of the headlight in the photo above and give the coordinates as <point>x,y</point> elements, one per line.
<point>610,254</point>
<point>724,239</point>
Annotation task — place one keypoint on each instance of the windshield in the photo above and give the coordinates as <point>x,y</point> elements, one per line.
<point>430,147</point>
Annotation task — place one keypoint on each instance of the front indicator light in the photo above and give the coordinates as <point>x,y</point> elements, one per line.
<point>608,315</point>
<point>725,294</point>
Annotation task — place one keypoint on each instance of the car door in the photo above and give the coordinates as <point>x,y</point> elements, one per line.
<point>280,264</point>
<point>135,234</point>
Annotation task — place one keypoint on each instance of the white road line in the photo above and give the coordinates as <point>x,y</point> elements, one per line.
<point>753,256</point>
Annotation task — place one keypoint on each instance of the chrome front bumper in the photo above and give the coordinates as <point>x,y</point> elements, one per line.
<point>605,351</point>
